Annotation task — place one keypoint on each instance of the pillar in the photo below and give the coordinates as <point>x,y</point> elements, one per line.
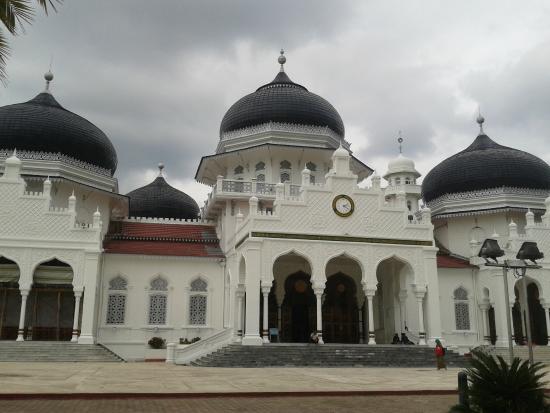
<point>431,293</point>
<point>77,296</point>
<point>513,332</point>
<point>420,292</point>
<point>252,317</point>
<point>370,296</point>
<point>21,330</point>
<point>360,318</point>
<point>265,321</point>
<point>546,308</point>
<point>484,307</point>
<point>402,301</point>
<point>89,306</point>
<point>239,318</point>
<point>319,290</point>
<point>279,319</point>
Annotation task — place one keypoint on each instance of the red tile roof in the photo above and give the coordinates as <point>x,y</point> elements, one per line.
<point>449,261</point>
<point>162,239</point>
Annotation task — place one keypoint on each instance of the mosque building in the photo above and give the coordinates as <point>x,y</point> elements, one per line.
<point>288,243</point>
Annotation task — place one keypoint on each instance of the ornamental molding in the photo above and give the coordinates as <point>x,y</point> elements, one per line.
<point>58,157</point>
<point>508,190</point>
<point>285,128</point>
<point>147,220</point>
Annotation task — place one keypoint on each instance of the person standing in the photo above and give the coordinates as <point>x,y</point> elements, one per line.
<point>440,355</point>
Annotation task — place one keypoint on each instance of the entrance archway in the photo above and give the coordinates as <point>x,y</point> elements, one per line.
<point>10,299</point>
<point>340,310</point>
<point>50,306</point>
<point>291,302</point>
<point>392,301</point>
<point>536,314</point>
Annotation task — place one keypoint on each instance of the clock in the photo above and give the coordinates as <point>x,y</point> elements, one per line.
<point>343,205</point>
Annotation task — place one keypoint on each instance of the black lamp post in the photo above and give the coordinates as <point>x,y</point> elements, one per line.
<point>529,251</point>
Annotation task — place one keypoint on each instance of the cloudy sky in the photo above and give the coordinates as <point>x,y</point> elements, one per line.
<point>158,76</point>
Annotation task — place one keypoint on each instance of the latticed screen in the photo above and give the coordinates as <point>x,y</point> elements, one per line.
<point>157,309</point>
<point>116,309</point>
<point>462,316</point>
<point>197,310</point>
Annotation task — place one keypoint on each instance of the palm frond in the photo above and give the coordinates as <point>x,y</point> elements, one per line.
<point>15,13</point>
<point>4,53</point>
<point>44,4</point>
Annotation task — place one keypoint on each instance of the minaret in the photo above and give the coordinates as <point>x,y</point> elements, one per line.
<point>402,190</point>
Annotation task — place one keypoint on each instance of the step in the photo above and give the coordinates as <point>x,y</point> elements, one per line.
<point>47,351</point>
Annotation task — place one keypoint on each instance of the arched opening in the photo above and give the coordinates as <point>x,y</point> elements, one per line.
<point>393,304</point>
<point>537,316</point>
<point>343,301</point>
<point>51,302</point>
<point>291,300</point>
<point>10,299</point>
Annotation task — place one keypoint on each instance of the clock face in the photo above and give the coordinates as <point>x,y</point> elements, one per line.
<point>343,205</point>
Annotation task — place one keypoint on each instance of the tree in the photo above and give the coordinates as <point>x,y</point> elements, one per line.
<point>14,15</point>
<point>496,386</point>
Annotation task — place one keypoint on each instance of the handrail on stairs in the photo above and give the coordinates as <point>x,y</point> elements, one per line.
<point>184,354</point>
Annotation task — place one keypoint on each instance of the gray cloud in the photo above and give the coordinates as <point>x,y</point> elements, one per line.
<point>157,77</point>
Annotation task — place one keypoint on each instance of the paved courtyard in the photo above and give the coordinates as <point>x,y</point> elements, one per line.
<point>364,404</point>
<point>165,378</point>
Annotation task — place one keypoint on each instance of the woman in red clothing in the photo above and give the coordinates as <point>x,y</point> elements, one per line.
<point>440,355</point>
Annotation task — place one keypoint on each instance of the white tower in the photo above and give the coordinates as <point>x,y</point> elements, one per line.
<point>402,189</point>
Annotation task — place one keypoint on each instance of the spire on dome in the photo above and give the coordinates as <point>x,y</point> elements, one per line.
<point>48,76</point>
<point>480,119</point>
<point>282,60</point>
<point>161,168</point>
<point>400,141</point>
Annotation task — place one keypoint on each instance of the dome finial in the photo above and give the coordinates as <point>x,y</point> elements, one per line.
<point>282,60</point>
<point>400,141</point>
<point>161,168</point>
<point>48,76</point>
<point>480,119</point>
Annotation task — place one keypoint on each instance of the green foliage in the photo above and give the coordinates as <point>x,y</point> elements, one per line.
<point>14,14</point>
<point>157,343</point>
<point>497,387</point>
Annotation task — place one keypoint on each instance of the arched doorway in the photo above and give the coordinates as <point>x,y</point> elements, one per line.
<point>394,304</point>
<point>50,306</point>
<point>340,310</point>
<point>298,309</point>
<point>536,314</point>
<point>10,299</point>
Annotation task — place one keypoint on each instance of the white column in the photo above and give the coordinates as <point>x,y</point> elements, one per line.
<point>484,307</point>
<point>89,306</point>
<point>21,330</point>
<point>370,296</point>
<point>360,318</point>
<point>402,301</point>
<point>546,308</point>
<point>77,296</point>
<point>252,318</point>
<point>265,325</point>
<point>431,294</point>
<point>513,332</point>
<point>239,316</point>
<point>319,290</point>
<point>420,292</point>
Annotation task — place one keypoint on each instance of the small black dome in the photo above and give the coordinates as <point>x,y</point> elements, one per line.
<point>43,125</point>
<point>483,165</point>
<point>283,101</point>
<point>160,200</point>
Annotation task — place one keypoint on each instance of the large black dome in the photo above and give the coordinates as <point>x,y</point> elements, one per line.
<point>43,125</point>
<point>160,200</point>
<point>483,165</point>
<point>283,101</point>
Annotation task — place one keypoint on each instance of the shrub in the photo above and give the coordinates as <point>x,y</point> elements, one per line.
<point>157,343</point>
<point>495,386</point>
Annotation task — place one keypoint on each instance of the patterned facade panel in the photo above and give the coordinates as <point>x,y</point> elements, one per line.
<point>116,309</point>
<point>157,309</point>
<point>197,310</point>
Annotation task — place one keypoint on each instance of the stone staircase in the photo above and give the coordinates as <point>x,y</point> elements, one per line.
<point>540,353</point>
<point>54,351</point>
<point>326,355</point>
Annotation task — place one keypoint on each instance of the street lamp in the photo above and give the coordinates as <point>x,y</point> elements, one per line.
<point>529,251</point>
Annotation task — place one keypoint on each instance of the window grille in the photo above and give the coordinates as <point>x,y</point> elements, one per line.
<point>462,309</point>
<point>260,166</point>
<point>260,178</point>
<point>118,283</point>
<point>197,310</point>
<point>159,284</point>
<point>199,285</point>
<point>285,177</point>
<point>239,170</point>
<point>116,308</point>
<point>157,309</point>
<point>285,165</point>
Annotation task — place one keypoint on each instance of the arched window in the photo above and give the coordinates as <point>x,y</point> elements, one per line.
<point>260,166</point>
<point>158,299</point>
<point>285,165</point>
<point>408,180</point>
<point>116,301</point>
<point>409,205</point>
<point>311,166</point>
<point>260,178</point>
<point>462,309</point>
<point>198,300</point>
<point>285,177</point>
<point>397,181</point>
<point>239,170</point>
<point>285,171</point>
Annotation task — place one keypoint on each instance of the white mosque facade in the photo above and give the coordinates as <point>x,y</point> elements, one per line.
<point>287,243</point>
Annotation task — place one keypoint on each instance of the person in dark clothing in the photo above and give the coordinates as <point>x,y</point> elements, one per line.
<point>405,339</point>
<point>396,339</point>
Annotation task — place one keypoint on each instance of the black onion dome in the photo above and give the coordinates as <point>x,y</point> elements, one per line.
<point>283,101</point>
<point>483,165</point>
<point>160,200</point>
<point>43,125</point>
